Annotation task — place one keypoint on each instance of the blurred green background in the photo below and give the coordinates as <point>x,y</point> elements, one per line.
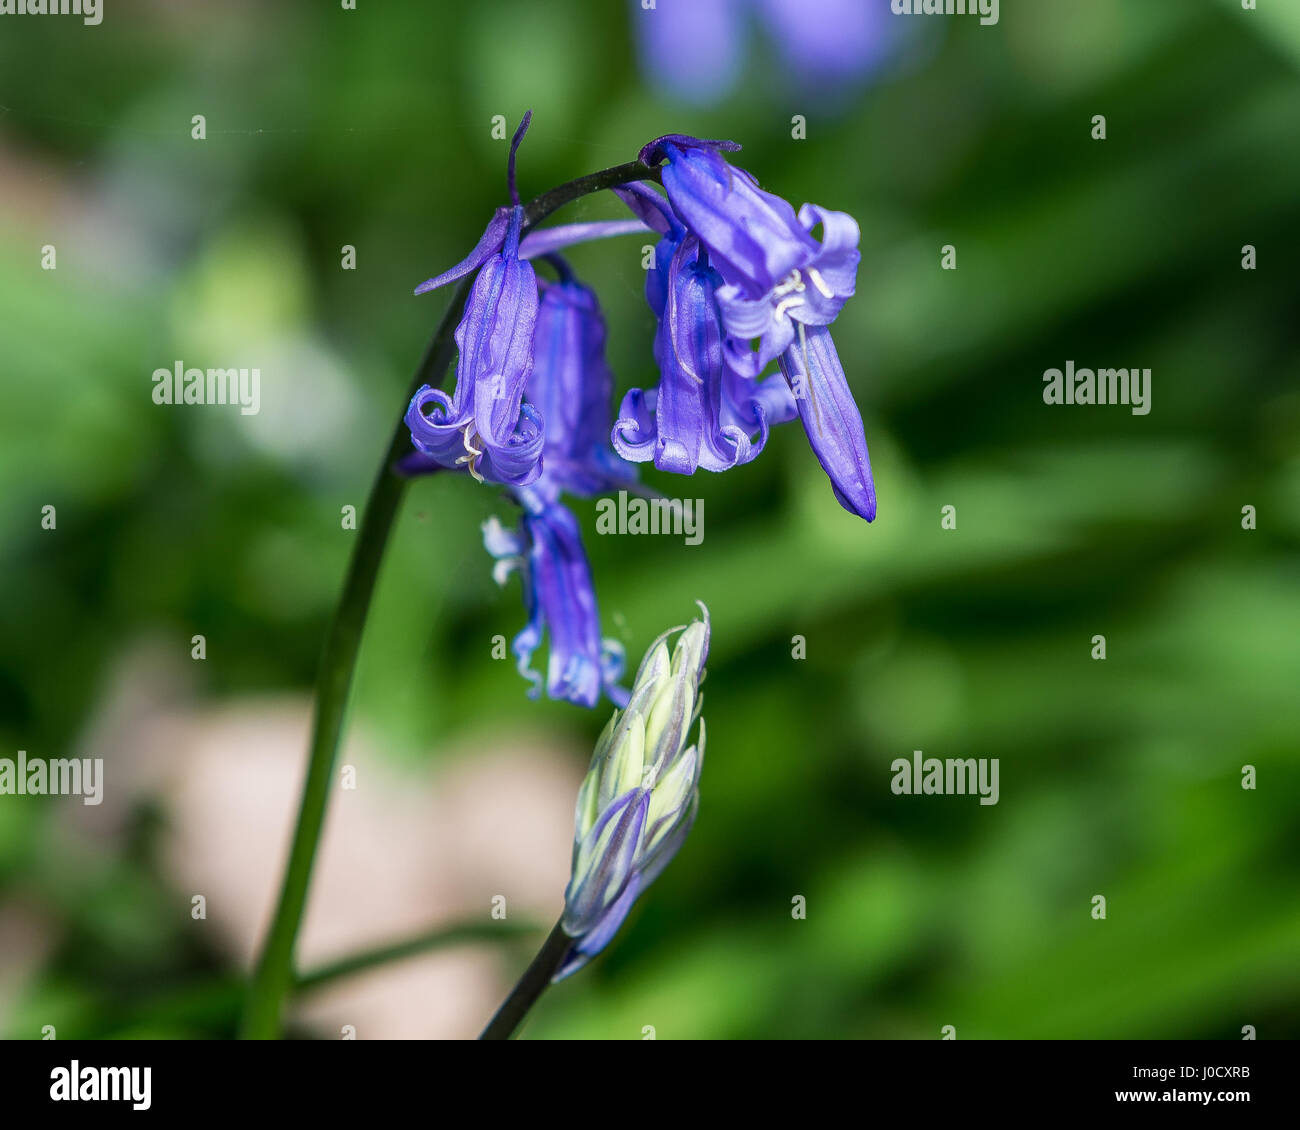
<point>372,128</point>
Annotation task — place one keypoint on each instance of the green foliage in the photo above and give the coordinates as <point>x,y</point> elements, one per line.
<point>1119,777</point>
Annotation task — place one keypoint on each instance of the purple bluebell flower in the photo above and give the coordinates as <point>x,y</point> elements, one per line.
<point>700,415</point>
<point>560,599</point>
<point>640,796</point>
<point>692,48</point>
<point>572,386</point>
<point>779,290</point>
<point>829,47</point>
<point>485,425</point>
<point>754,238</point>
<point>696,49</point>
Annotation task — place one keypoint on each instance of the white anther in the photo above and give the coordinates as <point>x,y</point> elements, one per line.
<point>820,283</point>
<point>793,282</point>
<point>474,453</point>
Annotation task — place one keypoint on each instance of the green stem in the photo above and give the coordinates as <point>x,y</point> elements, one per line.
<point>274,973</point>
<point>538,209</point>
<point>421,943</point>
<point>273,978</point>
<point>531,985</point>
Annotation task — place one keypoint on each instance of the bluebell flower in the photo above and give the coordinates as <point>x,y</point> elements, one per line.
<point>701,414</point>
<point>485,425</point>
<point>779,289</point>
<point>560,600</point>
<point>531,411</point>
<point>640,796</point>
<point>812,294</point>
<point>560,368</point>
<point>572,386</point>
<point>829,47</point>
<point>696,49</point>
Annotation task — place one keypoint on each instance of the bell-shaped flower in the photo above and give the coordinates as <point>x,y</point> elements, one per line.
<point>699,415</point>
<point>560,598</point>
<point>780,291</point>
<point>572,387</point>
<point>485,425</point>
<point>639,798</point>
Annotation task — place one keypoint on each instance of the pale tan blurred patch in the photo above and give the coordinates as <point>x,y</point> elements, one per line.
<point>402,852</point>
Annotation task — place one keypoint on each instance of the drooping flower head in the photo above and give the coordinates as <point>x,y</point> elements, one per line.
<point>639,798</point>
<point>701,414</point>
<point>572,386</point>
<point>560,599</point>
<point>779,288</point>
<point>531,411</point>
<point>739,280</point>
<point>485,425</point>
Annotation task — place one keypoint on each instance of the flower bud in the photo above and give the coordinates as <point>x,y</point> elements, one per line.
<point>640,795</point>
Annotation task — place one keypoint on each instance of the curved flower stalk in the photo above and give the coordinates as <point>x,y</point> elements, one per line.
<point>530,411</point>
<point>273,979</point>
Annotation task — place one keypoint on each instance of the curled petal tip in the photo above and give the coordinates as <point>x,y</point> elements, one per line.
<point>488,245</point>
<point>653,152</point>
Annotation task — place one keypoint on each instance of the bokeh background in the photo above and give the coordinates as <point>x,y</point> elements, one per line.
<point>372,128</point>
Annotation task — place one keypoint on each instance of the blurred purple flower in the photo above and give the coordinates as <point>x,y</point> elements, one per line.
<point>692,48</point>
<point>696,49</point>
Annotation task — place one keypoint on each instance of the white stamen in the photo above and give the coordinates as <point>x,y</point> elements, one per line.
<point>820,283</point>
<point>793,282</point>
<point>474,453</point>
